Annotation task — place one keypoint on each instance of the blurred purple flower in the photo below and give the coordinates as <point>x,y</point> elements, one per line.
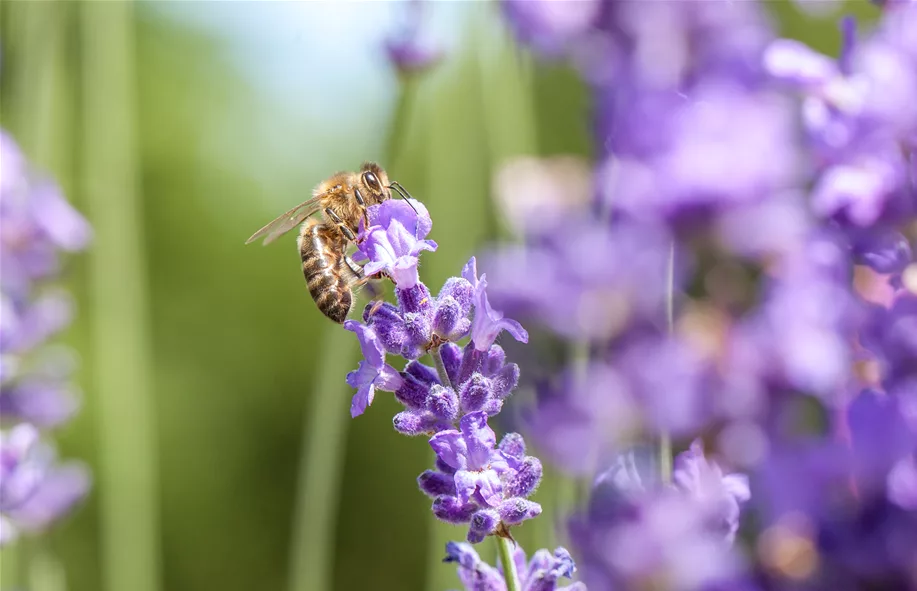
<point>34,491</point>
<point>551,27</point>
<point>883,250</point>
<point>705,162</point>
<point>720,496</point>
<point>891,335</point>
<point>582,279</point>
<point>412,49</point>
<point>658,536</point>
<point>585,418</point>
<point>902,483</point>
<point>36,224</point>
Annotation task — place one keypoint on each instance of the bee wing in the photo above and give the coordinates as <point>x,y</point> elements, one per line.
<point>286,222</point>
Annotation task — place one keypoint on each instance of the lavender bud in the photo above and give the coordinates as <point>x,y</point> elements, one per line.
<point>434,484</point>
<point>495,359</point>
<point>460,290</point>
<point>516,510</point>
<point>443,403</point>
<point>475,393</point>
<point>424,373</point>
<point>449,509</point>
<point>416,299</point>
<point>493,407</point>
<point>389,326</point>
<point>418,329</point>
<point>483,523</point>
<point>505,381</point>
<point>449,322</point>
<point>442,466</point>
<point>412,393</point>
<point>526,480</point>
<point>512,445</point>
<point>417,423</point>
<point>471,362</point>
<point>452,359</point>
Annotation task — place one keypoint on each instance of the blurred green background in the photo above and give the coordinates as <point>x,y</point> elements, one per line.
<point>215,415</point>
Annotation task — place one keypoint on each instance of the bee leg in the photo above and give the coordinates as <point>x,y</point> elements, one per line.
<point>340,223</point>
<point>361,280</point>
<point>359,197</point>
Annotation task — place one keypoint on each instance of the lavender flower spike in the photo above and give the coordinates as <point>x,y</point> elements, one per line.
<point>394,240</point>
<point>541,573</point>
<point>373,372</point>
<point>477,463</point>
<point>487,322</point>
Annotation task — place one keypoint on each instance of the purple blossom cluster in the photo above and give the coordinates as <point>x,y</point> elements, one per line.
<point>540,573</point>
<point>476,481</point>
<point>744,276</point>
<point>37,225</point>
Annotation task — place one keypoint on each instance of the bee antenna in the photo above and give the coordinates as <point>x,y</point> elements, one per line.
<point>404,194</point>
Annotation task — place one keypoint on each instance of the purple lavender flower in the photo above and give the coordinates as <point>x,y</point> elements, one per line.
<point>487,322</point>
<point>479,483</point>
<point>373,371</point>
<point>34,492</point>
<point>541,573</point>
<point>482,382</point>
<point>471,453</point>
<point>36,224</point>
<point>394,240</point>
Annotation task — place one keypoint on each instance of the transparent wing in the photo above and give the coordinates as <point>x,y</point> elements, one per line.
<point>286,222</point>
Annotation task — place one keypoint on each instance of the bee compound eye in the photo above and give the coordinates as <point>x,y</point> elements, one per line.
<point>372,181</point>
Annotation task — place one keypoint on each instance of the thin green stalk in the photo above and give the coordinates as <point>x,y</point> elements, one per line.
<point>440,367</point>
<point>665,441</point>
<point>325,427</point>
<point>119,313</point>
<point>505,550</point>
<point>321,465</point>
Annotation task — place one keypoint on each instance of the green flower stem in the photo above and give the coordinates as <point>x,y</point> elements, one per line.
<point>325,426</point>
<point>441,368</point>
<point>119,311</point>
<point>665,440</point>
<point>504,548</point>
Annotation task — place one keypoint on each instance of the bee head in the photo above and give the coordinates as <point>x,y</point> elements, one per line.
<point>374,183</point>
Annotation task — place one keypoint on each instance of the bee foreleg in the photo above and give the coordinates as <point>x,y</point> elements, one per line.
<point>340,223</point>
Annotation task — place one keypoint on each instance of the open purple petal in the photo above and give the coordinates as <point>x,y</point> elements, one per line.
<point>451,448</point>
<point>369,343</point>
<point>59,491</point>
<point>362,399</point>
<point>479,439</point>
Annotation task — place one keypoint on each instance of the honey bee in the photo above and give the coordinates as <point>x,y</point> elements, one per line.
<point>343,199</point>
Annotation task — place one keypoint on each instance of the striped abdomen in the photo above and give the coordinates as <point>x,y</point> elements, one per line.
<point>322,249</point>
